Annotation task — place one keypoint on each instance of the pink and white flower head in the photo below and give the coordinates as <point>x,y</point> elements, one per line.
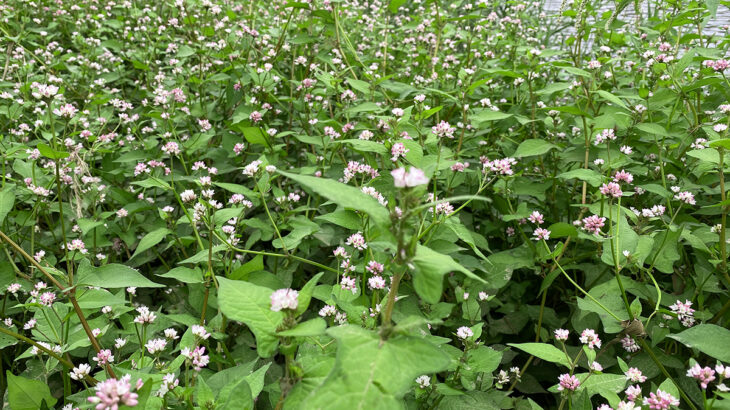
<point>80,372</point>
<point>357,241</point>
<point>104,357</point>
<point>464,333</point>
<point>112,393</point>
<point>536,217</point>
<point>611,189</point>
<point>200,332</point>
<point>568,382</point>
<point>633,392</point>
<point>686,197</point>
<point>634,375</point>
<point>623,176</point>
<point>561,334</point>
<point>660,401</point>
<point>593,224</point>
<point>704,375</point>
<point>408,179</point>
<point>284,299</point>
<point>376,282</point>
<point>590,338</point>
<point>541,234</point>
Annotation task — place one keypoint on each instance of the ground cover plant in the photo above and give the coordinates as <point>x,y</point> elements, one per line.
<point>343,204</point>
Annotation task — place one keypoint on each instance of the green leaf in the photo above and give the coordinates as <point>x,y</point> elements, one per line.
<point>238,398</point>
<point>552,88</point>
<point>611,98</point>
<point>707,155</point>
<point>251,304</point>
<point>27,394</point>
<point>723,143</point>
<point>665,252</point>
<point>255,264</point>
<point>651,128</point>
<point>394,5</point>
<point>371,373</point>
<point>562,229</point>
<point>344,195</point>
<point>489,115</point>
<point>150,240</point>
<point>533,147</point>
<point>49,152</point>
<point>204,395</point>
<point>7,200</point>
<point>152,182</point>
<point>707,338</point>
<point>366,146</point>
<point>112,275</point>
<point>344,218</point>
<point>314,327</point>
<point>255,135</point>
<point>602,383</point>
<point>590,176</point>
<point>431,267</point>
<point>305,295</point>
<point>543,351</point>
<point>185,275</point>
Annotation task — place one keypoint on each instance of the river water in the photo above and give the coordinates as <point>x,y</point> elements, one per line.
<point>714,26</point>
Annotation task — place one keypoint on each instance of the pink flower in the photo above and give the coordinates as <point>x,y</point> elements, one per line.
<point>684,312</point>
<point>611,189</point>
<point>541,234</point>
<point>661,400</point>
<point>357,241</point>
<point>398,150</point>
<point>376,282</point>
<point>408,179</point>
<point>593,224</point>
<point>111,393</point>
<point>374,267</point>
<point>630,345</point>
<point>443,129</point>
<point>623,176</point>
<point>284,299</point>
<point>633,392</point>
<point>686,197</point>
<point>703,374</point>
<point>635,375</point>
<point>104,357</point>
<point>255,116</point>
<point>561,334</point>
<point>464,332</point>
<point>536,218</point>
<point>568,382</point>
<point>590,338</point>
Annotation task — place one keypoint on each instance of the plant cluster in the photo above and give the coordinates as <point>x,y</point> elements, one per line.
<point>337,204</point>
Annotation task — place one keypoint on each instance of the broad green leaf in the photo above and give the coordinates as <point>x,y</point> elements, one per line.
<point>665,252</point>
<point>611,98</point>
<point>49,152</point>
<point>394,5</point>
<point>152,182</point>
<point>602,383</point>
<point>150,240</point>
<point>533,147</point>
<point>255,135</point>
<point>204,395</point>
<point>366,146</point>
<point>112,275</point>
<point>313,327</point>
<point>561,230</point>
<point>237,398</point>
<point>251,304</point>
<point>185,275</point>
<point>255,264</point>
<point>552,88</point>
<point>723,143</point>
<point>27,394</point>
<point>431,267</point>
<point>709,339</point>
<point>707,155</point>
<point>489,115</point>
<point>543,351</point>
<point>344,218</point>
<point>7,200</point>
<point>344,195</point>
<point>590,176</point>
<point>371,373</point>
<point>305,295</point>
<point>651,128</point>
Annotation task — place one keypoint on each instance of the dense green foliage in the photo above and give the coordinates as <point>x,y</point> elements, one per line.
<point>341,204</point>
